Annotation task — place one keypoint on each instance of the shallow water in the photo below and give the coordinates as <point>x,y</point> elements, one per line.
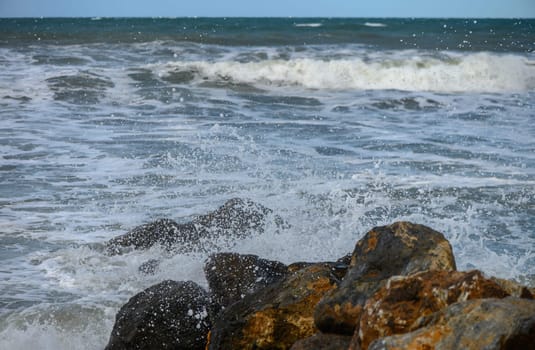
<point>337,125</point>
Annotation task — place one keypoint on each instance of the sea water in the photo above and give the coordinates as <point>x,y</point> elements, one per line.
<point>338,125</point>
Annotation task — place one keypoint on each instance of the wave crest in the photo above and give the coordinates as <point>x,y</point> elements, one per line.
<point>375,24</point>
<point>480,72</point>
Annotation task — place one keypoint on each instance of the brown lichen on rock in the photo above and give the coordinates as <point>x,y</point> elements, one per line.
<point>490,324</point>
<point>277,316</point>
<point>398,249</point>
<point>514,289</point>
<point>403,299</point>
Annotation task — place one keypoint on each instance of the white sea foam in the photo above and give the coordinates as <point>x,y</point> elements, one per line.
<point>480,72</point>
<point>310,25</point>
<point>375,24</point>
<point>153,148</point>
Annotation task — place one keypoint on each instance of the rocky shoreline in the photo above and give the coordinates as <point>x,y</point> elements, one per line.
<point>398,289</point>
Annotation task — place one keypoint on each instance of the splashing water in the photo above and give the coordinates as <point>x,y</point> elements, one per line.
<point>336,136</point>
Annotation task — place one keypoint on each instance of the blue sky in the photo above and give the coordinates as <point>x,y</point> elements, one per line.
<point>280,8</point>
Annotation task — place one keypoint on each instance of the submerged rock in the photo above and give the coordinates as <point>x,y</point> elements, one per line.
<point>402,300</point>
<point>276,316</point>
<point>169,315</point>
<point>163,231</point>
<point>149,267</point>
<point>490,324</point>
<point>237,218</point>
<point>232,276</point>
<point>402,248</point>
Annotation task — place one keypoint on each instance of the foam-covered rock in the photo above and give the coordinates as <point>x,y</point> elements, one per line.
<point>237,218</point>
<point>149,267</point>
<point>168,315</point>
<point>402,248</point>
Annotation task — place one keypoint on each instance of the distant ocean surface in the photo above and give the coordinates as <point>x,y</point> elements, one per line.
<point>338,125</point>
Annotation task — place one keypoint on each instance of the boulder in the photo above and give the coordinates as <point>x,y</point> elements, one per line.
<point>232,276</point>
<point>276,316</point>
<point>163,231</point>
<point>403,299</point>
<point>323,341</point>
<point>490,324</point>
<point>237,218</point>
<point>149,267</point>
<point>168,315</point>
<point>402,248</point>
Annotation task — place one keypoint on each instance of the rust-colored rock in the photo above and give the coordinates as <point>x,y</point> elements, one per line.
<point>403,299</point>
<point>490,324</point>
<point>398,249</point>
<point>514,289</point>
<point>276,316</point>
<point>323,341</point>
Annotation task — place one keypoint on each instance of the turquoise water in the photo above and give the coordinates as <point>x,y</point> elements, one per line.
<point>338,125</point>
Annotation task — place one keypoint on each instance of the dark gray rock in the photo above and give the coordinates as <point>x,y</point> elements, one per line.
<point>169,315</point>
<point>149,267</point>
<point>163,231</point>
<point>323,341</point>
<point>237,218</point>
<point>232,276</point>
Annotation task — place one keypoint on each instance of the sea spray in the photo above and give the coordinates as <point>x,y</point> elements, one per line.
<point>337,128</point>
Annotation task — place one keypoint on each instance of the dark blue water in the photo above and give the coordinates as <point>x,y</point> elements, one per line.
<point>338,125</point>
<point>499,35</point>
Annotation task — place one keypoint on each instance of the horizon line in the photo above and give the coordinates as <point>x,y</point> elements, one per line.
<point>259,17</point>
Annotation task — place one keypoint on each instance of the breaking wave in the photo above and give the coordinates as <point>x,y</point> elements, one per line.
<point>310,25</point>
<point>480,72</point>
<point>375,24</point>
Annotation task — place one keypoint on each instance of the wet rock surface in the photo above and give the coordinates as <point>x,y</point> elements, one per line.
<point>149,267</point>
<point>396,306</point>
<point>276,316</point>
<point>398,249</point>
<point>399,289</point>
<point>323,341</point>
<point>490,324</point>
<point>232,276</point>
<point>237,218</point>
<point>168,315</point>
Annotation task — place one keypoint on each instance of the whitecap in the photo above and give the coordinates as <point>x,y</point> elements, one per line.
<point>310,25</point>
<point>474,72</point>
<point>375,24</point>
